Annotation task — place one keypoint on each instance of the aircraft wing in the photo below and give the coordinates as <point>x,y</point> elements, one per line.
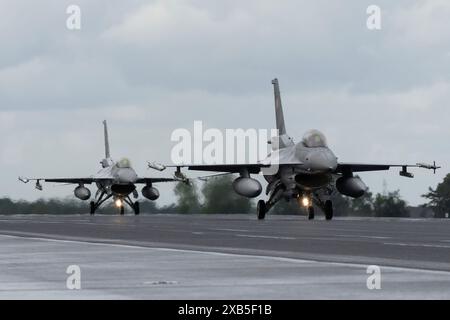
<point>66,180</point>
<point>343,167</point>
<point>76,180</point>
<point>94,180</point>
<point>156,180</point>
<point>230,168</point>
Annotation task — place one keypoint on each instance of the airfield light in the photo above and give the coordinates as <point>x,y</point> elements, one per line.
<point>118,203</point>
<point>305,201</point>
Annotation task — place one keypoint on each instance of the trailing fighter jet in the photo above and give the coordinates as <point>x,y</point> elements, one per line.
<point>307,171</point>
<point>116,180</point>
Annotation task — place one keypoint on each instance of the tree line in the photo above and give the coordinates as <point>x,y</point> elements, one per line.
<point>216,195</point>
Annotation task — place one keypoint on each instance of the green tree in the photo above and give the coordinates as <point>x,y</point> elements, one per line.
<point>439,198</point>
<point>341,205</point>
<point>70,206</point>
<point>187,197</point>
<point>390,205</point>
<point>220,197</point>
<point>363,206</point>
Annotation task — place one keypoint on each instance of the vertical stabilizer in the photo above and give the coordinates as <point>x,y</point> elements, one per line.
<point>278,108</point>
<point>107,153</point>
<point>107,162</point>
<point>282,140</point>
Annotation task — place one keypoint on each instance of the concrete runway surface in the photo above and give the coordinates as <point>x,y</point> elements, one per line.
<point>222,257</point>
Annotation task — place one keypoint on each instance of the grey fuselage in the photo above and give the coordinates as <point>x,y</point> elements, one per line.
<point>122,177</point>
<point>300,167</point>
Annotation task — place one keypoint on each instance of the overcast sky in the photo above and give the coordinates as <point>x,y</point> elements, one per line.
<point>150,67</point>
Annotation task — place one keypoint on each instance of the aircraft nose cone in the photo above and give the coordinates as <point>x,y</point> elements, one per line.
<point>322,161</point>
<point>126,175</point>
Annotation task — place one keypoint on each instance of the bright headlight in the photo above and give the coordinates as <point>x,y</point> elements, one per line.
<point>305,201</point>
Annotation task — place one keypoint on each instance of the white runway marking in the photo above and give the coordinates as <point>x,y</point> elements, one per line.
<point>232,230</point>
<point>264,237</point>
<point>365,237</point>
<point>417,245</point>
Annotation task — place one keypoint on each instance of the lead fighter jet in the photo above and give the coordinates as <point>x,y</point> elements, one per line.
<point>307,171</point>
<point>116,180</point>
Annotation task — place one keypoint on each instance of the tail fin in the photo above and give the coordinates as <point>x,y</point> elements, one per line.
<point>107,162</point>
<point>107,153</point>
<point>278,108</point>
<point>282,140</point>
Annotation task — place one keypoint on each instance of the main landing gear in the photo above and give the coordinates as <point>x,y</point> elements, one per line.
<point>328,210</point>
<point>311,213</point>
<point>327,207</point>
<point>133,205</point>
<point>261,209</point>
<point>94,205</point>
<point>118,202</point>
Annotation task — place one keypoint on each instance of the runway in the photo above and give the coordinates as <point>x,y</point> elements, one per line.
<point>223,257</point>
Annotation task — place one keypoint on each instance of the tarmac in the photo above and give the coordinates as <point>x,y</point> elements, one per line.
<point>223,257</point>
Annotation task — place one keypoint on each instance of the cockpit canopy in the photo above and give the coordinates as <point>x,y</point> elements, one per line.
<point>314,139</point>
<point>124,163</point>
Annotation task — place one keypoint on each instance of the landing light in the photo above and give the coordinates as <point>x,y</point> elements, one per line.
<point>305,201</point>
<point>118,203</point>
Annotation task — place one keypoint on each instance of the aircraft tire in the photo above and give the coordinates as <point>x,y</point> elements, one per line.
<point>311,213</point>
<point>136,208</point>
<point>122,210</point>
<point>261,209</point>
<point>328,210</point>
<point>92,208</point>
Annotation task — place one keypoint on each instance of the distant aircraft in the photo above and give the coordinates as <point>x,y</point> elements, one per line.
<point>115,180</point>
<point>308,171</point>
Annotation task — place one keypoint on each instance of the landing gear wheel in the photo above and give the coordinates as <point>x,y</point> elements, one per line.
<point>311,213</point>
<point>136,208</point>
<point>92,207</point>
<point>122,210</point>
<point>261,209</point>
<point>328,210</point>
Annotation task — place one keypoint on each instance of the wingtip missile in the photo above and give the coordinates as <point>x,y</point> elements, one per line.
<point>428,166</point>
<point>24,180</point>
<point>156,166</point>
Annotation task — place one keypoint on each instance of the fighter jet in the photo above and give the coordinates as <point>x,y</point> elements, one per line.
<point>116,180</point>
<point>307,171</point>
